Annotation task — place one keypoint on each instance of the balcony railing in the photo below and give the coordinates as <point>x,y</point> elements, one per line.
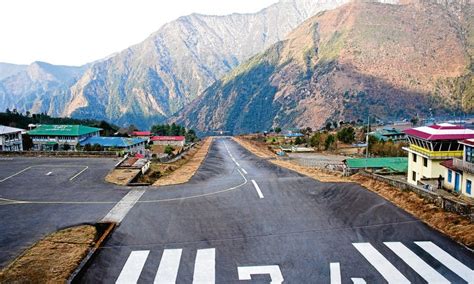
<point>436,154</point>
<point>464,165</point>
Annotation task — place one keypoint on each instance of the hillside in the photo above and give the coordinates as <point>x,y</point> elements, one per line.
<point>394,60</point>
<point>150,81</point>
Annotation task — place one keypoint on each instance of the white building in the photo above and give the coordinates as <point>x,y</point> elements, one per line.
<point>168,140</point>
<point>10,139</point>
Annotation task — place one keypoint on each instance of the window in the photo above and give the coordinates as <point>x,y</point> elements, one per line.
<point>414,158</point>
<point>469,154</point>
<point>450,176</point>
<point>413,176</point>
<point>425,162</point>
<point>468,186</point>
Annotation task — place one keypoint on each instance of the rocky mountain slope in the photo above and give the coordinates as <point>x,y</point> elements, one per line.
<point>150,81</point>
<point>8,69</point>
<point>39,87</point>
<point>390,59</point>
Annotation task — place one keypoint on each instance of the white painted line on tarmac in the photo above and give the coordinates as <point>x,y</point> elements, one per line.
<point>379,262</point>
<point>122,207</point>
<point>358,281</point>
<point>244,171</point>
<point>13,175</point>
<point>49,173</point>
<point>246,272</point>
<point>237,164</point>
<point>76,175</point>
<point>205,266</point>
<point>335,271</point>
<point>257,188</point>
<point>133,267</point>
<point>169,265</point>
<point>447,260</point>
<point>416,263</point>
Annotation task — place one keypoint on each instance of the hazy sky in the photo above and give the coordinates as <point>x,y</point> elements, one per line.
<point>74,32</point>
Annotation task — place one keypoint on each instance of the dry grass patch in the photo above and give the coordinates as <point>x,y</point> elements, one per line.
<point>52,259</point>
<point>121,176</point>
<point>182,170</point>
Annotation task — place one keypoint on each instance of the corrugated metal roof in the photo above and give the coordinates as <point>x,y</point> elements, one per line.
<point>167,138</point>
<point>395,164</point>
<point>7,129</point>
<point>444,131</point>
<point>62,130</point>
<point>112,142</point>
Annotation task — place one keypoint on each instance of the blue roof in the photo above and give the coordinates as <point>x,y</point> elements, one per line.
<point>294,135</point>
<point>112,142</point>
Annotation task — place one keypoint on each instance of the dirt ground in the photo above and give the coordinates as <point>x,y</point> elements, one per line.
<point>121,176</point>
<point>52,259</point>
<point>457,227</point>
<point>182,170</point>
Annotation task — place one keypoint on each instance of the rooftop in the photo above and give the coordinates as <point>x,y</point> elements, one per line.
<point>167,138</point>
<point>469,142</point>
<point>394,164</point>
<point>7,129</point>
<point>141,133</point>
<point>112,142</point>
<point>62,130</point>
<point>443,131</point>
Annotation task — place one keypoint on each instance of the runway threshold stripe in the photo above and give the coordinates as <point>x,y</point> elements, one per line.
<point>205,266</point>
<point>257,188</point>
<point>169,265</point>
<point>133,267</point>
<point>246,272</point>
<point>416,263</point>
<point>120,210</point>
<point>335,270</point>
<point>358,281</point>
<point>381,264</point>
<point>447,260</point>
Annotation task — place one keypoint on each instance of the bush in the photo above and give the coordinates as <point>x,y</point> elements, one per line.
<point>169,150</point>
<point>346,135</point>
<point>329,142</point>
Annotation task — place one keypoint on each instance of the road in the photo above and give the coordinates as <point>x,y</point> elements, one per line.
<point>242,219</point>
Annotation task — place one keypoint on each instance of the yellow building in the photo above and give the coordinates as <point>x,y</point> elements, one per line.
<point>431,145</point>
<point>459,174</point>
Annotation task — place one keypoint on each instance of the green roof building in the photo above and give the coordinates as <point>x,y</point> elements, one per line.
<point>48,137</point>
<point>387,165</point>
<point>386,134</point>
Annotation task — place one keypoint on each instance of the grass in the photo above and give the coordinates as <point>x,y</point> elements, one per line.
<point>52,259</point>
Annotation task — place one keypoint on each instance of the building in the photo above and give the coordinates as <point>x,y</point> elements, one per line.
<point>142,134</point>
<point>169,140</point>
<point>392,165</point>
<point>129,145</point>
<point>60,137</point>
<point>11,139</point>
<point>459,174</point>
<point>386,134</point>
<point>293,135</point>
<point>431,145</point>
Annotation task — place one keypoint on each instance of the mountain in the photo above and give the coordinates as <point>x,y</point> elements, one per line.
<point>149,82</point>
<point>391,60</point>
<point>39,87</point>
<point>8,69</point>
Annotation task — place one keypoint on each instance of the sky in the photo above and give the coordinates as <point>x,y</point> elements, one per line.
<point>75,32</point>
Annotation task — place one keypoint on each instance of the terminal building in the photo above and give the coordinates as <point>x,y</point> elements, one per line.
<point>429,146</point>
<point>11,139</point>
<point>128,145</point>
<point>60,137</point>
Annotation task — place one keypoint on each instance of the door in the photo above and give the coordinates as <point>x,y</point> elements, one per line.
<point>457,182</point>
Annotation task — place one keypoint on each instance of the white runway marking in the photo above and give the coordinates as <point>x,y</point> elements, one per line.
<point>447,260</point>
<point>13,175</point>
<point>49,173</point>
<point>121,209</point>
<point>379,262</point>
<point>246,272</point>
<point>358,281</point>
<point>335,270</point>
<point>416,263</point>
<point>257,188</point>
<point>244,171</point>
<point>205,266</point>
<point>76,175</point>
<point>133,267</point>
<point>169,265</point>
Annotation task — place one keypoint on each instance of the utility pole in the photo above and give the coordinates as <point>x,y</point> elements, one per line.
<point>367,140</point>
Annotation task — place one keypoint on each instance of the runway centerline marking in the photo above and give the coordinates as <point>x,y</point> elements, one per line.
<point>49,173</point>
<point>76,175</point>
<point>243,170</point>
<point>257,188</point>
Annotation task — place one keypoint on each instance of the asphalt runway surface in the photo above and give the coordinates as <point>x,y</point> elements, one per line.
<point>242,219</point>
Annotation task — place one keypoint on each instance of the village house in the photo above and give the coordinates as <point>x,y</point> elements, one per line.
<point>127,145</point>
<point>430,146</point>
<point>459,174</point>
<point>178,141</point>
<point>60,137</point>
<point>11,139</point>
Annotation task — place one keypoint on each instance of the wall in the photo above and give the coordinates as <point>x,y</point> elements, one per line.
<point>467,176</point>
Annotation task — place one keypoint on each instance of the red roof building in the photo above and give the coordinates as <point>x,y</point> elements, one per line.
<point>443,131</point>
<point>141,133</point>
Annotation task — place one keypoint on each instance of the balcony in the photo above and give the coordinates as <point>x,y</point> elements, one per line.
<point>463,165</point>
<point>436,155</point>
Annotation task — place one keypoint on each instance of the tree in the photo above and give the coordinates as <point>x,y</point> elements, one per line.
<point>277,130</point>
<point>27,142</point>
<point>66,147</point>
<point>169,150</point>
<point>335,124</point>
<point>316,140</point>
<point>329,142</point>
<point>328,126</point>
<point>298,141</point>
<point>346,135</point>
<point>414,120</point>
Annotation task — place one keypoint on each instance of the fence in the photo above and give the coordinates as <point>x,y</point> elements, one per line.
<point>97,154</point>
